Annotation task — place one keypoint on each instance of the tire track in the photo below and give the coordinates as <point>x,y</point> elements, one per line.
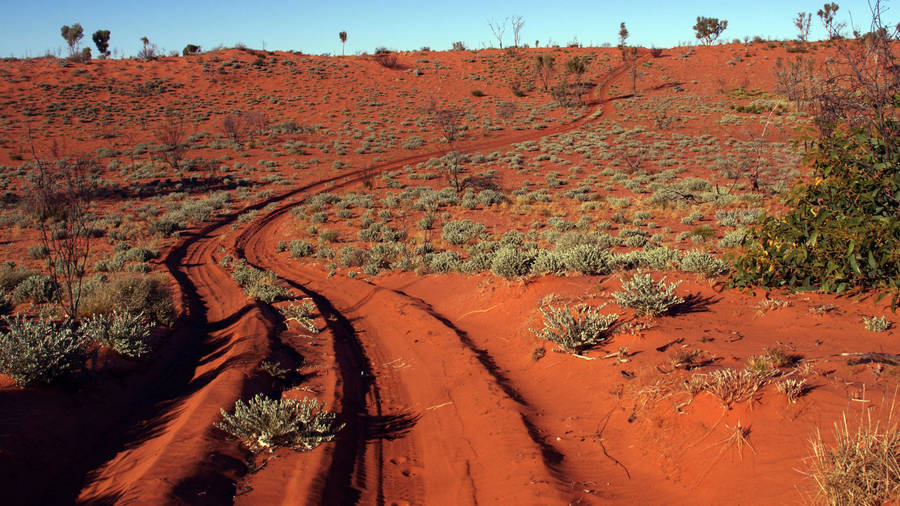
<point>171,458</point>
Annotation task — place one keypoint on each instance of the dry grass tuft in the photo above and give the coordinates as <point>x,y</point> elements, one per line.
<point>738,436</point>
<point>862,467</point>
<point>792,389</point>
<point>729,385</point>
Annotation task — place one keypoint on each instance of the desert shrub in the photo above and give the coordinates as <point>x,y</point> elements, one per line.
<point>5,305</point>
<point>38,251</point>
<point>445,261</point>
<point>125,333</point>
<point>351,256</point>
<point>490,197</point>
<point>735,217</point>
<point>575,331</point>
<point>647,297</point>
<point>511,262</point>
<point>300,248</point>
<point>877,324</point>
<point>862,467</point>
<point>701,262</point>
<point>11,275</point>
<point>132,294</point>
<point>300,313</point>
<point>586,259</point>
<point>38,288</point>
<point>383,254</point>
<point>39,350</point>
<point>461,231</point>
<point>732,239</point>
<point>659,258</point>
<point>261,285</point>
<point>264,424</point>
<point>386,58</point>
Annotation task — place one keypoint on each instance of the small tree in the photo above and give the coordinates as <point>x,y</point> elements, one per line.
<point>629,56</point>
<point>72,35</point>
<point>544,68</point>
<point>708,29</point>
<point>498,29</point>
<point>802,23</point>
<point>623,34</point>
<point>826,14</point>
<point>517,24</point>
<point>190,49</point>
<point>149,51</point>
<point>101,40</point>
<point>60,196</point>
<point>343,37</point>
<point>449,121</point>
<point>577,66</point>
<point>171,135</point>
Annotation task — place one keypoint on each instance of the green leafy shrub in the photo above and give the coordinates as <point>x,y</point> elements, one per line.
<point>264,424</point>
<point>39,350</point>
<point>125,333</point>
<point>647,297</point>
<point>841,230</point>
<point>575,332</point>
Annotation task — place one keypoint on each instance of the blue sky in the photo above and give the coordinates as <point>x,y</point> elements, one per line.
<point>31,27</point>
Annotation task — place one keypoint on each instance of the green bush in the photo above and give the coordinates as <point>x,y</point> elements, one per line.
<point>264,424</point>
<point>647,297</point>
<point>39,350</point>
<point>125,333</point>
<point>841,230</point>
<point>575,332</point>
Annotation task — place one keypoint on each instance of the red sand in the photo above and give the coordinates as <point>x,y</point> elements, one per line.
<point>435,375</point>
